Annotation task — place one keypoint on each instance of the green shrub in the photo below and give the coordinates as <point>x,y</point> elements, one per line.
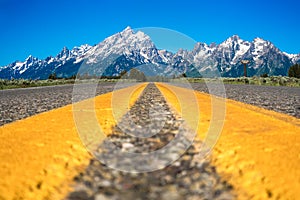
<point>265,75</point>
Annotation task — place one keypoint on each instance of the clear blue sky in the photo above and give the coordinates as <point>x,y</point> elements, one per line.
<point>43,28</point>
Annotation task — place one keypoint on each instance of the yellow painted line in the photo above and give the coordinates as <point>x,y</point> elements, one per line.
<point>258,151</point>
<point>41,154</point>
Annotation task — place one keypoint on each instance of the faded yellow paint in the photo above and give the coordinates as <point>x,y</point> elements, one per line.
<point>41,154</point>
<point>258,151</point>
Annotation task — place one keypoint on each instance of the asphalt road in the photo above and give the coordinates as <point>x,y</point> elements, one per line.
<point>21,103</point>
<point>18,104</point>
<point>277,98</point>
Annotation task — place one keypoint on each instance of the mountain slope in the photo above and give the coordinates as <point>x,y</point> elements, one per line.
<point>226,57</point>
<point>127,49</point>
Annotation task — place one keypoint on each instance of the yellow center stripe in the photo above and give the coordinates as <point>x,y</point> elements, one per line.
<point>41,154</point>
<point>258,151</point>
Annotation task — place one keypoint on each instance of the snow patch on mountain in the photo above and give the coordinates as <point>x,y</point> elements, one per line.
<point>128,49</point>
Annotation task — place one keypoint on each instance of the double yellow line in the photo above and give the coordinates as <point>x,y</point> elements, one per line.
<point>258,151</point>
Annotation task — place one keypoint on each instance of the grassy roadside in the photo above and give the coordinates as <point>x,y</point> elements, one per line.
<point>270,81</point>
<point>22,83</point>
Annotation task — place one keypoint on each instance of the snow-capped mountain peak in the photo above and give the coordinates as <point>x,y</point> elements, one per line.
<point>64,54</point>
<point>259,40</point>
<point>127,49</point>
<point>234,38</point>
<point>201,47</point>
<point>30,59</point>
<point>127,31</point>
<point>126,43</point>
<point>81,50</point>
<point>232,50</point>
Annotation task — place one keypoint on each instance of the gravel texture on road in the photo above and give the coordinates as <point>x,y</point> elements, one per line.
<point>21,103</point>
<point>130,147</point>
<point>18,104</point>
<point>277,98</point>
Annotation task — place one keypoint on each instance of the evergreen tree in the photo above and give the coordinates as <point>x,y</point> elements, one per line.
<point>52,76</point>
<point>294,71</point>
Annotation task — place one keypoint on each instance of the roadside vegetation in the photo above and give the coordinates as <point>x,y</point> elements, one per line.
<point>21,83</point>
<point>271,81</point>
<point>293,80</point>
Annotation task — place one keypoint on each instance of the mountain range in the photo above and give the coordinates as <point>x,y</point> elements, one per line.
<point>128,49</point>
